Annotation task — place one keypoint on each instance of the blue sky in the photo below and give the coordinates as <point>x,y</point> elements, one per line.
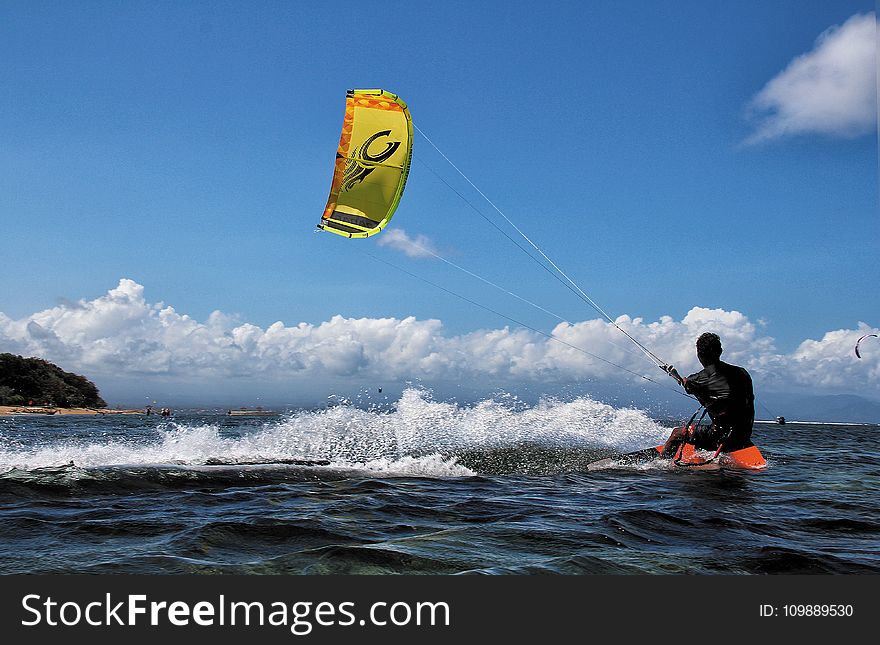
<point>188,147</point>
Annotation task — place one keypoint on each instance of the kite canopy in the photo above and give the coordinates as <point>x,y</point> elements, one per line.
<point>372,164</point>
<point>859,342</point>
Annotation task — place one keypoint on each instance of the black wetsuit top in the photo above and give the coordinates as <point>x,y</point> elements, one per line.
<point>726,391</point>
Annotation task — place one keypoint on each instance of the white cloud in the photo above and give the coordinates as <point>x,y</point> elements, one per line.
<point>830,90</point>
<point>831,362</point>
<point>418,247</point>
<point>122,336</point>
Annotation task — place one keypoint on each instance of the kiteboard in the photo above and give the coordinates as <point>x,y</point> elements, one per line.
<point>747,458</point>
<point>216,461</point>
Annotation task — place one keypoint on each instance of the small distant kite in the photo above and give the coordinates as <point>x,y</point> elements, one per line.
<point>858,342</point>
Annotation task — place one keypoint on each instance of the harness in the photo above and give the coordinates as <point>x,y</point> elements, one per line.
<point>689,430</point>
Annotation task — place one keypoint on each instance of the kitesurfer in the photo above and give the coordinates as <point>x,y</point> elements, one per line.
<point>726,392</point>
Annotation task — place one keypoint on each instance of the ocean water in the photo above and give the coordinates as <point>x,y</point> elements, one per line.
<point>425,487</point>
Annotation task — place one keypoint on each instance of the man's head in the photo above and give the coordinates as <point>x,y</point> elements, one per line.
<point>708,348</point>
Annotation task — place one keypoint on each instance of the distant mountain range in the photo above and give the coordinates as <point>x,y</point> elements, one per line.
<point>845,408</point>
<point>663,405</point>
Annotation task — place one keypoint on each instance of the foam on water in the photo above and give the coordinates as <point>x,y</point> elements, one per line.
<point>419,436</point>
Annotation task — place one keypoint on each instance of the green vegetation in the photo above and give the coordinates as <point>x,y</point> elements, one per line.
<point>24,380</point>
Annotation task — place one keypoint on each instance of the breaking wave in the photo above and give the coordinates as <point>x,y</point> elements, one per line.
<point>416,437</point>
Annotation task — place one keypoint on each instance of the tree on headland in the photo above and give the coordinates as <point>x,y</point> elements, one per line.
<point>33,379</point>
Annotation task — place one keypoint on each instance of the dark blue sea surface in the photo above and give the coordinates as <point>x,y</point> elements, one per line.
<point>425,487</point>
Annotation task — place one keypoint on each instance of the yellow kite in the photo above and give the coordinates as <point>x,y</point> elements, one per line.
<point>372,164</point>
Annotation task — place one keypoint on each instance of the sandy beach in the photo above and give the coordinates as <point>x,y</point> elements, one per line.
<point>13,410</point>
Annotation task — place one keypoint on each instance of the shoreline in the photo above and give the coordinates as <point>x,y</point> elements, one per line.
<point>24,410</point>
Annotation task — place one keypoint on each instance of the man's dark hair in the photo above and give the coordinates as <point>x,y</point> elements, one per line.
<point>709,347</point>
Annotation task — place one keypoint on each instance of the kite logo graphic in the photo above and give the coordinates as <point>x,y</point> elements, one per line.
<point>356,170</point>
